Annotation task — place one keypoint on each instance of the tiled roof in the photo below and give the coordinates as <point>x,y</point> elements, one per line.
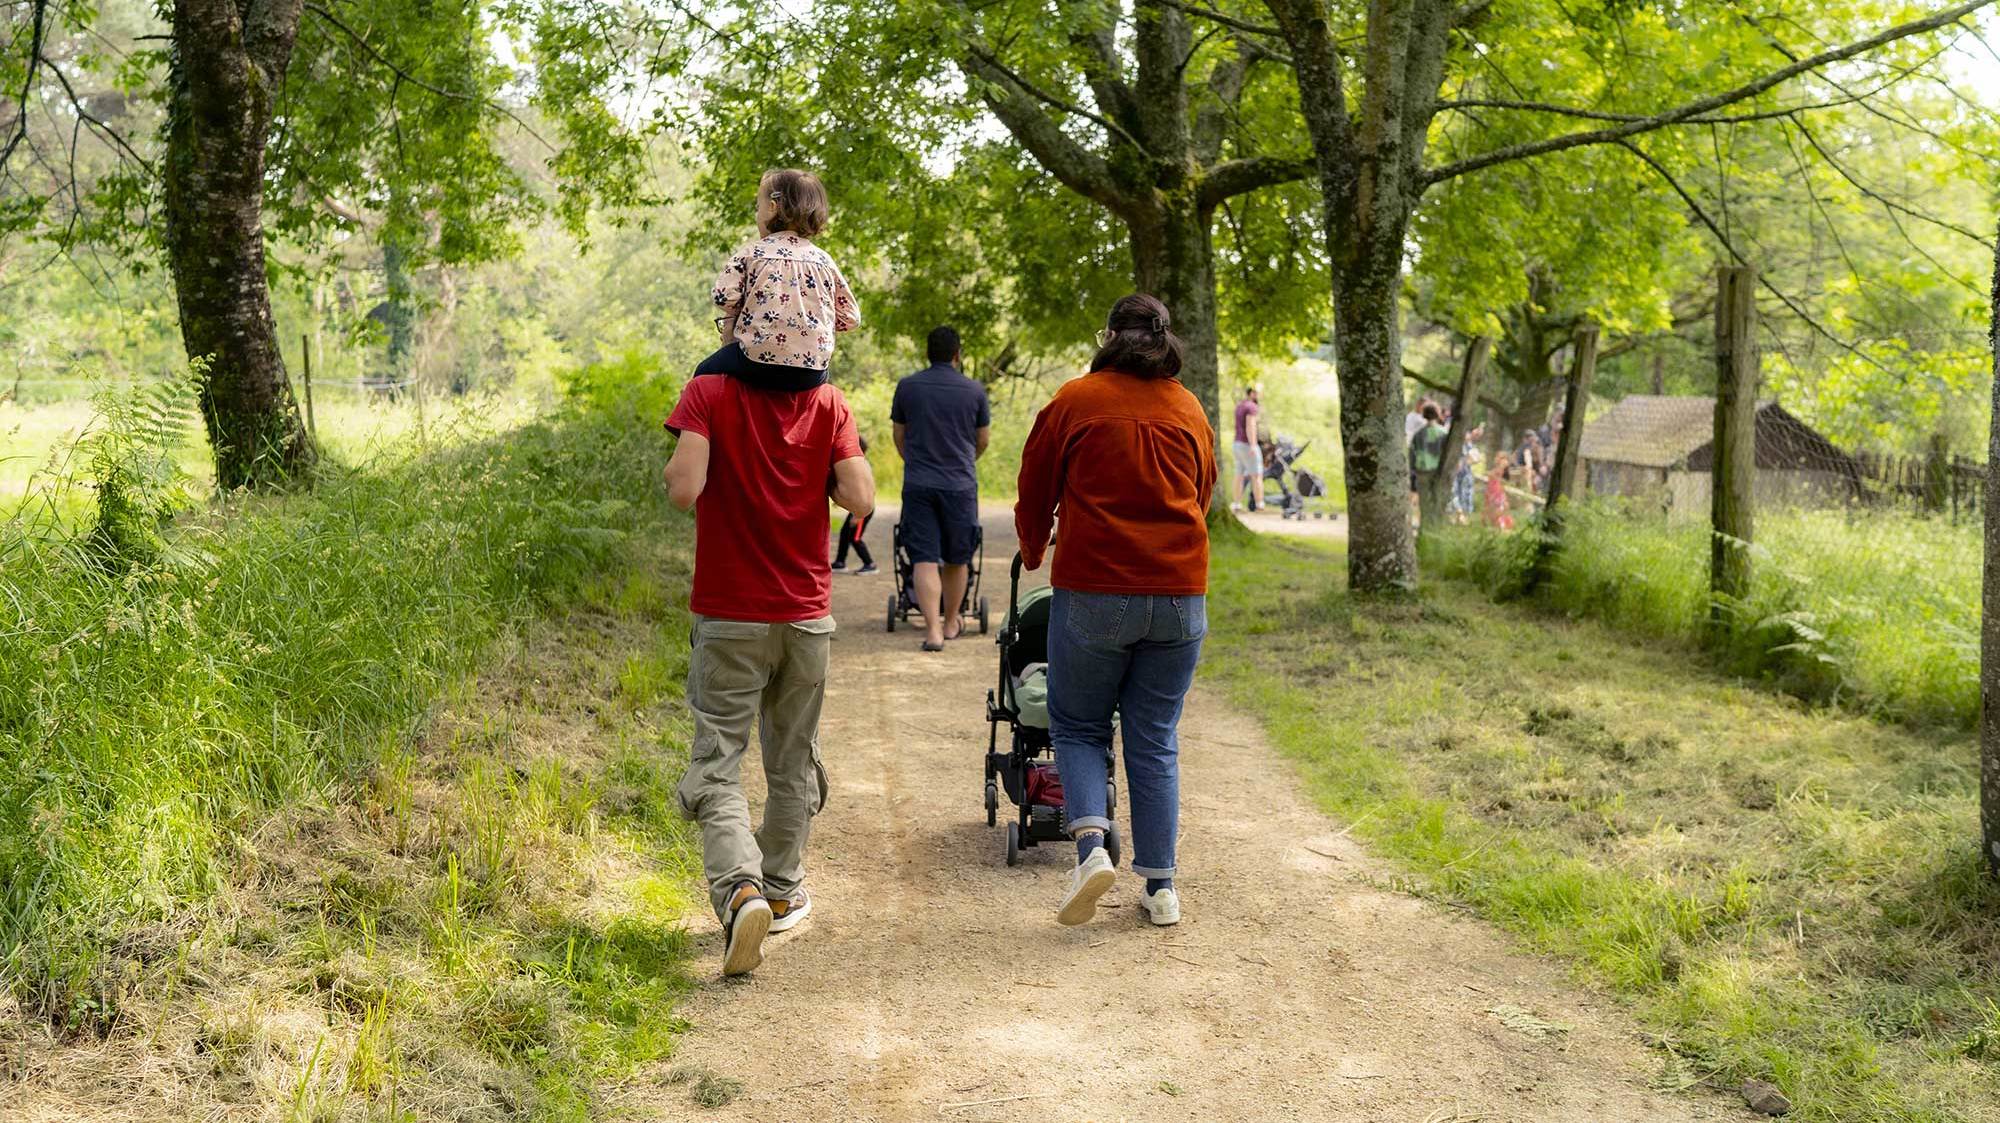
<point>1650,431</point>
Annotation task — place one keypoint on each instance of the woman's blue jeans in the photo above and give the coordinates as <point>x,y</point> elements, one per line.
<point>1133,655</point>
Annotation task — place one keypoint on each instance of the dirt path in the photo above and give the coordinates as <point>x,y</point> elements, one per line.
<point>933,982</point>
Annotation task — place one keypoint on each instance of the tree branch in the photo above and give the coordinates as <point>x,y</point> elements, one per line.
<point>405,76</point>
<point>1704,105</point>
<point>36,34</point>
<point>1702,215</point>
<point>993,63</point>
<point>1232,22</point>
<point>1236,177</point>
<point>1080,169</point>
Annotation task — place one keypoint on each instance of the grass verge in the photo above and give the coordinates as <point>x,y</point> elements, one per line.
<point>1878,611</point>
<point>1781,892</point>
<point>356,804</point>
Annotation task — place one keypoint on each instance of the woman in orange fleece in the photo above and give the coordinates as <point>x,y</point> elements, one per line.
<point>1126,456</point>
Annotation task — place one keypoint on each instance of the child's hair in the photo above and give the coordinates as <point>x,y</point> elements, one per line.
<point>1140,340</point>
<point>798,201</point>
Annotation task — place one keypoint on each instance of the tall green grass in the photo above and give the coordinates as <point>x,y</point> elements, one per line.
<point>154,704</point>
<point>1877,610</point>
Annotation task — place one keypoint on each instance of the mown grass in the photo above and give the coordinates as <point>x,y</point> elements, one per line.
<point>264,816</point>
<point>1877,611</point>
<point>1780,891</point>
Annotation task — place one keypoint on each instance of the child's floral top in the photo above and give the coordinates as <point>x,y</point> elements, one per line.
<point>788,298</point>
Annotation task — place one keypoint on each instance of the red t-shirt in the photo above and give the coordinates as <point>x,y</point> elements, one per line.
<point>760,524</point>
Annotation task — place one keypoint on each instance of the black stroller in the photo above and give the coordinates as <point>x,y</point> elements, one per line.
<point>1026,768</point>
<point>1295,485</point>
<point>903,602</point>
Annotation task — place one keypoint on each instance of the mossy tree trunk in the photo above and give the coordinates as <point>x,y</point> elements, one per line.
<point>228,58</point>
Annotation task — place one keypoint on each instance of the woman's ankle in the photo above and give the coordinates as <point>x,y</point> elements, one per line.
<point>1087,841</point>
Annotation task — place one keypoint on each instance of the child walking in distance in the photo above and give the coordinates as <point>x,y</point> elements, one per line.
<point>780,300</point>
<point>757,467</point>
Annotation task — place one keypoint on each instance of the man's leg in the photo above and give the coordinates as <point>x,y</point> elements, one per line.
<point>923,539</point>
<point>959,531</point>
<point>727,672</point>
<point>792,772</point>
<point>930,587</point>
<point>951,598</point>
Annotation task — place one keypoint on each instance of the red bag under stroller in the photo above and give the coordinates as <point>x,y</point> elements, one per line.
<point>1045,785</point>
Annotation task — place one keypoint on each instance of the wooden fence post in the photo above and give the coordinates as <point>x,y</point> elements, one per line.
<point>1989,627</point>
<point>1437,484</point>
<point>1937,474</point>
<point>1734,468</point>
<point>306,361</point>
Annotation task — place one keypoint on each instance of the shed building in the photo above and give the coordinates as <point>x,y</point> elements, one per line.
<point>1662,449</point>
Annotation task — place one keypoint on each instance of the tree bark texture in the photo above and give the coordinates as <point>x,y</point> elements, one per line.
<point>1437,484</point>
<point>1166,164</point>
<point>1370,166</point>
<point>1569,447</point>
<point>228,58</point>
<point>1989,625</point>
<point>1735,462</point>
<point>1569,450</point>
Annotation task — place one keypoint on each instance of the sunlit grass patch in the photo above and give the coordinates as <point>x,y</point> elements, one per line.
<point>1786,892</point>
<point>1874,609</point>
<point>343,804</point>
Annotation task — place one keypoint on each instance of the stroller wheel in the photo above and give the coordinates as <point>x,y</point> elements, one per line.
<point>983,617</point>
<point>1112,845</point>
<point>892,612</point>
<point>992,803</point>
<point>1013,844</point>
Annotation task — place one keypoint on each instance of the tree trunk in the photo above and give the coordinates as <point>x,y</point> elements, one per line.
<point>1368,350</point>
<point>1989,626</point>
<point>1173,258</point>
<point>1569,446</point>
<point>227,59</point>
<point>1439,482</point>
<point>1733,472</point>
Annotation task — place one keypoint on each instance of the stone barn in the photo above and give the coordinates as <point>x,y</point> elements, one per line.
<point>1661,450</point>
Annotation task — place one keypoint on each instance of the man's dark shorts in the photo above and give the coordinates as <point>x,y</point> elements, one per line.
<point>939,526</point>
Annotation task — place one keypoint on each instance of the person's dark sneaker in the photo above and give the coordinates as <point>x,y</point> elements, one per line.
<point>743,938</point>
<point>841,567</point>
<point>865,570</point>
<point>787,912</point>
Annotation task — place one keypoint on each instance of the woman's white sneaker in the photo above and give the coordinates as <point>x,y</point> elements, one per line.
<point>1093,878</point>
<point>1162,908</point>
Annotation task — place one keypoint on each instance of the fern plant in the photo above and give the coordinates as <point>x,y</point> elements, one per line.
<point>128,456</point>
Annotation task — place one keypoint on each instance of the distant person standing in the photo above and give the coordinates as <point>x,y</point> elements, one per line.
<point>943,423</point>
<point>1249,455</point>
<point>851,531</point>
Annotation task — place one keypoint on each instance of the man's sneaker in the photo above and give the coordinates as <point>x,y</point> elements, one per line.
<point>1162,908</point>
<point>865,570</point>
<point>840,567</point>
<point>743,940</point>
<point>786,912</point>
<point>1093,879</point>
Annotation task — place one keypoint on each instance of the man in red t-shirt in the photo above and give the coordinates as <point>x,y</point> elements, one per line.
<point>758,466</point>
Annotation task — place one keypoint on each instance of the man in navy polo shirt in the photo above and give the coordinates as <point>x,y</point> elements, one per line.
<point>942,423</point>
